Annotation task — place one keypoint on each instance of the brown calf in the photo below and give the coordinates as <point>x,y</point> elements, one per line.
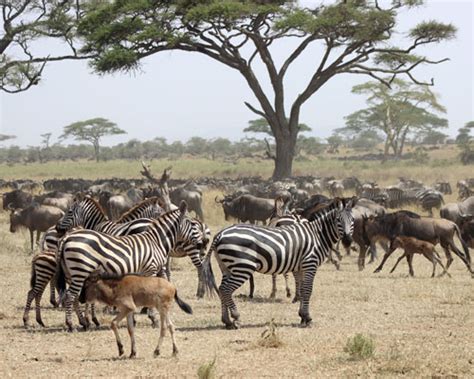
<point>129,292</point>
<point>413,246</point>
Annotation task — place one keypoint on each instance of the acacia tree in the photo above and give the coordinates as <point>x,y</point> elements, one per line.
<point>91,131</point>
<point>354,36</point>
<point>397,112</point>
<point>5,137</point>
<point>24,24</point>
<point>465,142</point>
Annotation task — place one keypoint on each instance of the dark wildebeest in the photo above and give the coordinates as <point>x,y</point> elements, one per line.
<point>56,199</point>
<point>36,217</point>
<point>467,229</point>
<point>454,211</point>
<point>247,208</point>
<point>405,223</point>
<point>16,199</point>
<point>192,198</point>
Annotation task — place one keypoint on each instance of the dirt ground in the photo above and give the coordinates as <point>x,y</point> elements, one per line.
<point>421,327</point>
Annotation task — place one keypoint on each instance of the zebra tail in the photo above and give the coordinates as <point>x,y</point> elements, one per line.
<point>60,278</point>
<point>183,305</point>
<point>210,286</point>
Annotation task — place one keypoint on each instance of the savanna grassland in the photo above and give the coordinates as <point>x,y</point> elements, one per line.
<point>420,327</point>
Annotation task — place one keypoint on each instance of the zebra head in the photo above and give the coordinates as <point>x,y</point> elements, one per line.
<point>81,213</point>
<point>345,219</point>
<point>194,232</point>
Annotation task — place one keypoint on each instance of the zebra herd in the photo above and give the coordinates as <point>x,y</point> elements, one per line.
<point>84,242</point>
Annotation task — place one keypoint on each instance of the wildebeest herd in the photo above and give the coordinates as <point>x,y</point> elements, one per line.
<point>106,240</point>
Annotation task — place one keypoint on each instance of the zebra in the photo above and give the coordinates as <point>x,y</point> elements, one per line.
<point>301,248</point>
<point>428,198</point>
<point>82,252</point>
<point>87,212</point>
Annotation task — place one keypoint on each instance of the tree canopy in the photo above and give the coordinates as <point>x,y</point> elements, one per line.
<point>92,131</point>
<point>354,37</point>
<point>24,24</point>
<point>397,111</point>
<point>465,142</point>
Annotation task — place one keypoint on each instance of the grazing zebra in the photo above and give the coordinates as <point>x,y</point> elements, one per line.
<point>428,198</point>
<point>301,248</point>
<point>82,252</point>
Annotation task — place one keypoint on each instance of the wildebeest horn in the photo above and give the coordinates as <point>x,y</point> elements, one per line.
<point>218,201</point>
<point>10,207</point>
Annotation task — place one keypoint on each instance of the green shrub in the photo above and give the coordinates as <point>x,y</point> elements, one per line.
<point>360,347</point>
<point>207,370</point>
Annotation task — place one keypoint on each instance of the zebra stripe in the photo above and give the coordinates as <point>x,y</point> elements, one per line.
<point>301,248</point>
<point>84,251</point>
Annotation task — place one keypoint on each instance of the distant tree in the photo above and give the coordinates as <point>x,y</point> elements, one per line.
<point>432,137</point>
<point>92,130</point>
<point>25,25</point>
<point>396,111</point>
<point>334,142</point>
<point>366,140</point>
<point>349,37</point>
<point>6,137</point>
<point>310,145</point>
<point>197,146</point>
<point>220,147</point>
<point>465,142</point>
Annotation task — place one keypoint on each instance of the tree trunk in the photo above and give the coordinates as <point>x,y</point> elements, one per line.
<point>285,153</point>
<point>97,152</point>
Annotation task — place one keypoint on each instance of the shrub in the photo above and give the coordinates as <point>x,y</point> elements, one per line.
<point>360,347</point>
<point>207,370</point>
<point>269,338</point>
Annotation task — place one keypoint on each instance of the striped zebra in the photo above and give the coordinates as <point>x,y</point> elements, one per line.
<point>82,252</point>
<point>301,248</point>
<point>81,212</point>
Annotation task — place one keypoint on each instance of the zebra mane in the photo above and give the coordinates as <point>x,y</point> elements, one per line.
<point>139,207</point>
<point>95,203</point>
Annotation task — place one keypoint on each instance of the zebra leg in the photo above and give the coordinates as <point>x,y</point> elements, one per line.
<point>228,286</point>
<point>38,308</point>
<point>297,276</point>
<point>252,287</point>
<point>332,260</point>
<point>168,268</point>
<point>200,288</point>
<point>306,290</point>
<point>274,285</point>
<point>26,314</point>
<point>287,285</point>
<point>151,313</point>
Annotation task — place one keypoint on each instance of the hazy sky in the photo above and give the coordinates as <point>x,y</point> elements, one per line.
<point>180,95</point>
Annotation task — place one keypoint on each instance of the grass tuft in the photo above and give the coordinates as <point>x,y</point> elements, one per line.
<point>269,338</point>
<point>360,347</point>
<point>207,370</point>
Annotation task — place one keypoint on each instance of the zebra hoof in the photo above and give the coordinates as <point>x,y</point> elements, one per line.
<point>306,323</point>
<point>96,322</point>
<point>231,326</point>
<point>40,322</point>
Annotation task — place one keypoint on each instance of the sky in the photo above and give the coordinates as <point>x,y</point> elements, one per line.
<point>180,95</point>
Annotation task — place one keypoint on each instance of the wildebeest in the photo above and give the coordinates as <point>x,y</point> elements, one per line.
<point>16,199</point>
<point>57,199</point>
<point>405,223</point>
<point>129,292</point>
<point>467,229</point>
<point>454,211</point>
<point>247,208</point>
<point>192,197</point>
<point>413,246</point>
<point>36,217</point>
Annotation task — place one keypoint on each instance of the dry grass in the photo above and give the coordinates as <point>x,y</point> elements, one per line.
<point>422,327</point>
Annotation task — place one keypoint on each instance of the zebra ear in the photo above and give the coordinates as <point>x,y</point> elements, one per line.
<point>183,206</point>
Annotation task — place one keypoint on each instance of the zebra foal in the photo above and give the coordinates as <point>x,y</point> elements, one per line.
<point>300,248</point>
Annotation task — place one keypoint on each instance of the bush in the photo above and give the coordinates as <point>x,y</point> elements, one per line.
<point>360,347</point>
<point>207,370</point>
